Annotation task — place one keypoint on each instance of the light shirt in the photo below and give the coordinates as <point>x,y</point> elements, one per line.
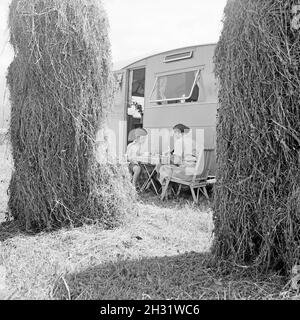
<point>185,147</point>
<point>133,150</point>
<point>137,149</point>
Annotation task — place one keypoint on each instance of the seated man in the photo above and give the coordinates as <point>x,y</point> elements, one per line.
<point>183,157</point>
<point>134,150</point>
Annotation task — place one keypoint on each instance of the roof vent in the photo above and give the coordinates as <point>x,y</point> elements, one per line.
<point>178,56</point>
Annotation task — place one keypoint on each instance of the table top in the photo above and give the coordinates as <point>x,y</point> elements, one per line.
<point>153,159</point>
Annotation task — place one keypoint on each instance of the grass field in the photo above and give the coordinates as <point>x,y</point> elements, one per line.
<point>163,253</point>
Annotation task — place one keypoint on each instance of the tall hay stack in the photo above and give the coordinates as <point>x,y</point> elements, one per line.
<point>61,89</point>
<point>257,198</point>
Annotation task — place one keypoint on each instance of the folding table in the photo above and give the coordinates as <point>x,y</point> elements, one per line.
<point>146,162</point>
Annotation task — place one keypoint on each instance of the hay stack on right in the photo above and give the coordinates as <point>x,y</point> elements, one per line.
<point>257,196</point>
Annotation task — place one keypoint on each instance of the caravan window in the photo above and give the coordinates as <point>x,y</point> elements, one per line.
<point>180,87</point>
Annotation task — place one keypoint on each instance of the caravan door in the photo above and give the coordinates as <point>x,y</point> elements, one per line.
<point>117,118</point>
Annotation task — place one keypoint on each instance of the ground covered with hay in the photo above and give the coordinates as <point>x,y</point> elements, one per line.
<point>163,253</point>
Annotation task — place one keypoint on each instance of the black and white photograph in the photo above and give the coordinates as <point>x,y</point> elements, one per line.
<point>149,151</point>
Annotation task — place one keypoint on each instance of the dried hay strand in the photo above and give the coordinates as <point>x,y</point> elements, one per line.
<point>257,197</point>
<point>61,89</point>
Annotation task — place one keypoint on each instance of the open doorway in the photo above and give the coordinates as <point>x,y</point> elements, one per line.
<point>136,100</point>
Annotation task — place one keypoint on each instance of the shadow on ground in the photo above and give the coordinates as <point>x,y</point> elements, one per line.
<point>10,229</point>
<point>187,276</point>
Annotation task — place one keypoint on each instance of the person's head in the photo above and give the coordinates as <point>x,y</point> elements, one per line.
<point>179,130</point>
<point>137,135</point>
<point>140,135</point>
<point>140,139</point>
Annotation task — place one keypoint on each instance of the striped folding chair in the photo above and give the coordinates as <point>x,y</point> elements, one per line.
<point>196,182</point>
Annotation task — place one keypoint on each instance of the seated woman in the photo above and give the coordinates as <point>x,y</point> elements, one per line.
<point>183,157</point>
<point>134,150</point>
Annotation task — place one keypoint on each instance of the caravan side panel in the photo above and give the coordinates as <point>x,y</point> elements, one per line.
<point>201,115</point>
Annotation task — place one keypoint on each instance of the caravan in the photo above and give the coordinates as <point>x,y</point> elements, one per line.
<point>164,89</point>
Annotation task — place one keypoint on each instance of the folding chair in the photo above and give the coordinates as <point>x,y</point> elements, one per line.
<point>198,181</point>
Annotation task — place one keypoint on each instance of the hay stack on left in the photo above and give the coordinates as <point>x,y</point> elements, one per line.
<point>60,84</point>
